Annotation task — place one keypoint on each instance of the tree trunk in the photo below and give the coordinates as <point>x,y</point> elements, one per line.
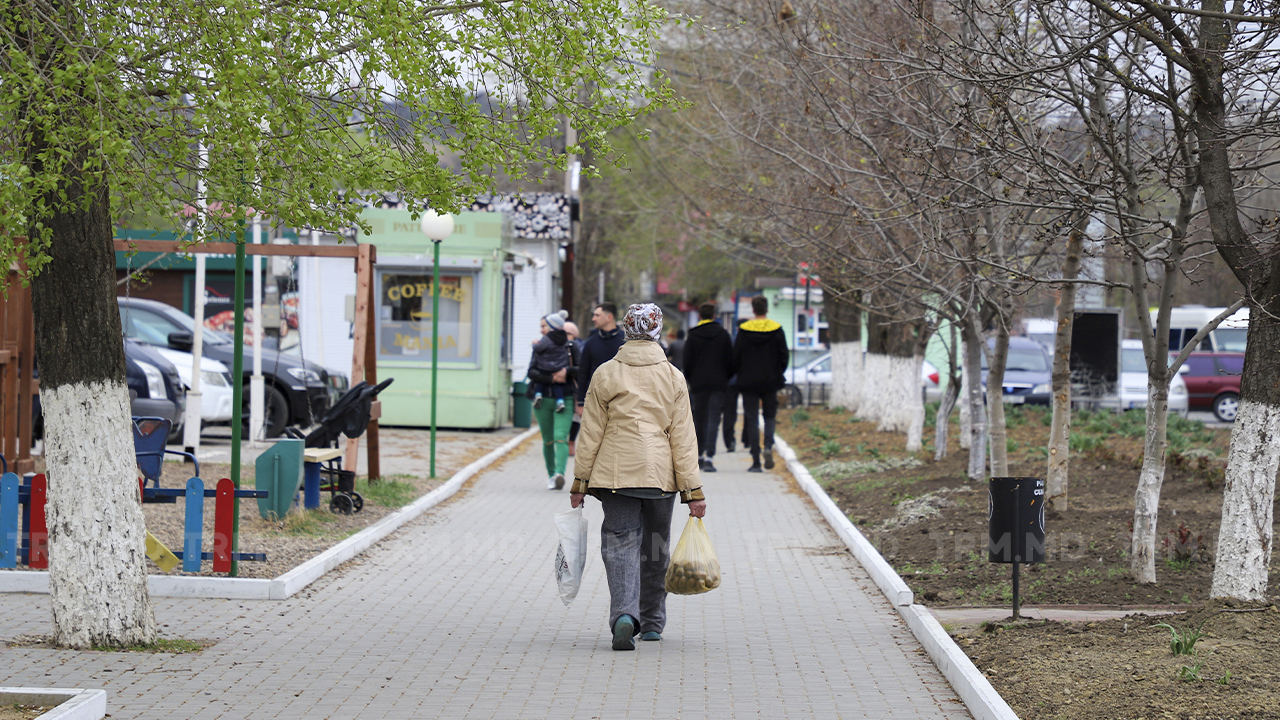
<point>844,325</point>
<point>965,437</point>
<point>995,400</point>
<point>875,377</point>
<point>1056,484</point>
<point>941,424</point>
<point>97,561</point>
<point>891,386</point>
<point>977,412</point>
<point>1244,538</point>
<point>903,406</point>
<point>1146,499</point>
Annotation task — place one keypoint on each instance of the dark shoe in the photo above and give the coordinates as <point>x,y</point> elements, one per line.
<point>651,636</point>
<point>624,633</point>
<point>707,466</point>
<point>537,401</point>
<point>755,468</point>
<point>728,447</point>
<point>702,463</point>
<point>558,479</point>
<point>768,458</point>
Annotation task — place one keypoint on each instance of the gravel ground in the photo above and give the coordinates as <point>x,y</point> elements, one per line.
<point>303,534</point>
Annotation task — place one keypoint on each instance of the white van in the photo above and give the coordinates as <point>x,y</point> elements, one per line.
<point>1186,321</point>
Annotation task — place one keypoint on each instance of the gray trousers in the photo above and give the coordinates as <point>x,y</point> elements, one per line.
<point>635,541</point>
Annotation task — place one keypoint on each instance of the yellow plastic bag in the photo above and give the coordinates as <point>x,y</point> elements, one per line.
<point>694,568</point>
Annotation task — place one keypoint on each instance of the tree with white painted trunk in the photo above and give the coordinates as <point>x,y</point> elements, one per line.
<point>103,107</point>
<point>844,328</point>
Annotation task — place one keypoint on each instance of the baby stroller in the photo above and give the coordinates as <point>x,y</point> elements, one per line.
<point>349,416</point>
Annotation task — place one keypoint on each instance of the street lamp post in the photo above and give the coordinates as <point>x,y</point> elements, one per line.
<point>436,227</point>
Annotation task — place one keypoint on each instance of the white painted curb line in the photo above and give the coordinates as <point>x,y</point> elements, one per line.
<point>982,700</point>
<point>72,703</point>
<point>298,578</point>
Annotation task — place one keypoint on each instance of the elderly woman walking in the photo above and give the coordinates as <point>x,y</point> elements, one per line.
<point>636,450</point>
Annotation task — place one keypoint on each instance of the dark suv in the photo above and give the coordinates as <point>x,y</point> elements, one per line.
<point>296,392</point>
<point>155,390</point>
<point>1213,383</point>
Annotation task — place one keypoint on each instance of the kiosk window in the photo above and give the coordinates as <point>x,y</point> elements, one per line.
<point>404,315</point>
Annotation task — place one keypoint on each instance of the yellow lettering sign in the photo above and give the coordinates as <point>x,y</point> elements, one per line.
<point>421,342</point>
<point>423,290</point>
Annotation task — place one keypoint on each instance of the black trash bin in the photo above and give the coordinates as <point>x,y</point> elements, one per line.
<point>1015,517</point>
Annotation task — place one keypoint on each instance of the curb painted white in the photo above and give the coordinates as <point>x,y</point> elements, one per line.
<point>972,686</point>
<point>72,703</point>
<point>301,576</point>
<point>982,700</point>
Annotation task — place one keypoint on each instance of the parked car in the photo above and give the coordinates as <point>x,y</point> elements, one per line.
<point>808,384</point>
<point>1184,322</point>
<point>1213,382</point>
<point>155,389</point>
<point>216,391</point>
<point>296,392</point>
<point>1134,380</point>
<point>1028,372</point>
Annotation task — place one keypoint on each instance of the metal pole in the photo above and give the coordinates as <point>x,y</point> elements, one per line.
<point>435,344</point>
<point>1016,546</point>
<point>256,385</point>
<point>237,396</point>
<point>195,398</point>
<point>808,335</point>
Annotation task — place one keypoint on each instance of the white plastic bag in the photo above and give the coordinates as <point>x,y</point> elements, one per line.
<point>571,557</point>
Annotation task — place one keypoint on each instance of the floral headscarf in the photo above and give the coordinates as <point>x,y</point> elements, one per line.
<point>643,322</point>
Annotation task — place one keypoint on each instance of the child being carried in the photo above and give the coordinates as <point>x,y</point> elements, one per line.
<point>550,355</point>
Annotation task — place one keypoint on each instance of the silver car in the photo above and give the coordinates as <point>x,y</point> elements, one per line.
<point>1133,381</point>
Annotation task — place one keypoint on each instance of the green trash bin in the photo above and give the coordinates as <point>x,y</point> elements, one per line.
<point>521,406</point>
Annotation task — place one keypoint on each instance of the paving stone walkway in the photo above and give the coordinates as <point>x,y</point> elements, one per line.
<point>457,616</point>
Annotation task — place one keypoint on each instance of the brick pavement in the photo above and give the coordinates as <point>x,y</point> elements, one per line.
<point>456,616</point>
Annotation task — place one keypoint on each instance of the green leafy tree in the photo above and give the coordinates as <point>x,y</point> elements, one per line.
<point>142,106</point>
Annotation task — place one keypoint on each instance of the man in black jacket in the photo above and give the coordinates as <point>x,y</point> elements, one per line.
<point>759,360</point>
<point>708,362</point>
<point>600,347</point>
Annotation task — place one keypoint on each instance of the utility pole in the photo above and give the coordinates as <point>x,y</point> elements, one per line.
<point>568,276</point>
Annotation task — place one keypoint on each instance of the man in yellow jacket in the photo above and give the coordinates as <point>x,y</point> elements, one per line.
<point>759,361</point>
<point>636,450</point>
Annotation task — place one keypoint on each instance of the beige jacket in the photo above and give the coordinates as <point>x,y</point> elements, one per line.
<point>637,429</point>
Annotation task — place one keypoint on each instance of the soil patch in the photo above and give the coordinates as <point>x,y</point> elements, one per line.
<point>930,522</point>
<point>23,712</point>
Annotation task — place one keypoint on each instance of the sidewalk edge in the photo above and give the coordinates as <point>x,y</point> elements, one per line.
<point>288,584</point>
<point>982,700</point>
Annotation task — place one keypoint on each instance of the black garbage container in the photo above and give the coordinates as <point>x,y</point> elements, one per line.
<point>1015,517</point>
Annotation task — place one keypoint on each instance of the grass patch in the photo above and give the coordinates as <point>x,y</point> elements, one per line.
<point>387,492</point>
<point>175,646</point>
<point>308,523</point>
<point>836,470</point>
